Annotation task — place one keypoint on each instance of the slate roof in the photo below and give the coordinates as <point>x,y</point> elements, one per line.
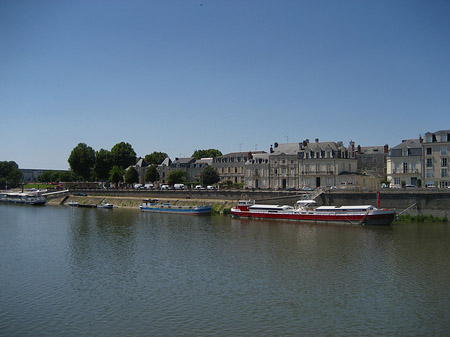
<point>413,145</point>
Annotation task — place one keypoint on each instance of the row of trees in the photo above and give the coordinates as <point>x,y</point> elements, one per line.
<point>89,164</point>
<point>104,165</point>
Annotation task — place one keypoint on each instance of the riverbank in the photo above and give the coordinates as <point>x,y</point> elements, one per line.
<point>416,202</point>
<point>219,206</point>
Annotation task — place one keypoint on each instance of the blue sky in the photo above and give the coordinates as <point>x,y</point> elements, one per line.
<point>180,75</point>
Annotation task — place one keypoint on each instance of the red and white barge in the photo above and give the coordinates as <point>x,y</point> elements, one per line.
<point>306,211</point>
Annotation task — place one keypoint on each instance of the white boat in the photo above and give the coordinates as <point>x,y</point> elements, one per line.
<point>105,204</point>
<point>26,198</point>
<point>306,211</point>
<point>73,204</point>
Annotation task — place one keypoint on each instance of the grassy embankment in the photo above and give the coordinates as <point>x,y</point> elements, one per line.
<point>218,207</point>
<point>37,186</point>
<point>422,218</point>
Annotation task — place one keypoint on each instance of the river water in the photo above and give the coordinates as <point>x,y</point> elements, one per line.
<point>93,272</point>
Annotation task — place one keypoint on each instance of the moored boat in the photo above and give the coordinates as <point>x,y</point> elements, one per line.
<point>149,205</point>
<point>105,204</point>
<point>22,198</point>
<point>306,211</point>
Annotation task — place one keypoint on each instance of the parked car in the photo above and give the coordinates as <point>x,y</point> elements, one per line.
<point>199,187</point>
<point>138,186</point>
<point>165,187</point>
<point>149,186</point>
<point>307,188</point>
<point>210,187</point>
<point>179,186</point>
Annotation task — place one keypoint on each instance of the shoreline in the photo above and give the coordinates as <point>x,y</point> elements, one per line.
<point>133,202</point>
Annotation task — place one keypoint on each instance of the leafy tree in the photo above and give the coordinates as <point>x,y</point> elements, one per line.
<point>123,155</point>
<point>155,158</point>
<point>151,174</point>
<point>177,177</point>
<point>131,175</point>
<point>116,174</point>
<point>209,176</point>
<point>82,160</point>
<point>103,164</point>
<point>10,174</point>
<point>211,153</point>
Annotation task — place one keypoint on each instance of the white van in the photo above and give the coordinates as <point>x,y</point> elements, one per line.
<point>165,187</point>
<point>149,186</point>
<point>138,186</point>
<point>179,186</point>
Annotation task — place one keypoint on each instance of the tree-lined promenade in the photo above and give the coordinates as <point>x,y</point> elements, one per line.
<point>117,165</point>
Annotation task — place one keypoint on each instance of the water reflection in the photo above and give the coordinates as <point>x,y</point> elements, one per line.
<point>123,272</point>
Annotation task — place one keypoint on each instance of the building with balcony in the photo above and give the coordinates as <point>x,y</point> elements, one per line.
<point>257,171</point>
<point>435,153</point>
<point>283,166</point>
<point>231,166</point>
<point>326,164</point>
<point>404,163</point>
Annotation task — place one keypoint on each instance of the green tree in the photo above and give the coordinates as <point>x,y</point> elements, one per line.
<point>131,175</point>
<point>209,176</point>
<point>123,155</point>
<point>211,153</point>
<point>151,174</point>
<point>103,164</point>
<point>10,174</point>
<point>116,174</point>
<point>177,177</point>
<point>82,160</point>
<point>155,158</point>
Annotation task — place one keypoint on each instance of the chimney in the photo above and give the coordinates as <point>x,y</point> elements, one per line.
<point>386,148</point>
<point>420,139</point>
<point>249,155</point>
<point>317,140</point>
<point>271,149</point>
<point>359,149</point>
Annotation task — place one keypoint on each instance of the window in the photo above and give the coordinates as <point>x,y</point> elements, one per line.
<point>444,150</point>
<point>444,162</point>
<point>405,152</point>
<point>397,181</point>
<point>429,173</point>
<point>429,162</point>
<point>429,151</point>
<point>444,173</point>
<point>405,167</point>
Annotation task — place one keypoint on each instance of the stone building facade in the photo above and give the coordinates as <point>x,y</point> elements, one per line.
<point>404,163</point>
<point>257,171</point>
<point>231,166</point>
<point>435,153</point>
<point>327,164</point>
